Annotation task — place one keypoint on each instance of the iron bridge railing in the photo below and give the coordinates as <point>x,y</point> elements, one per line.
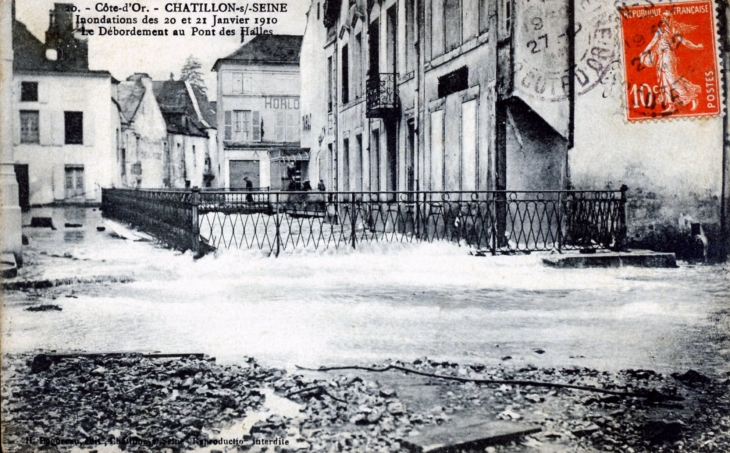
<point>495,221</point>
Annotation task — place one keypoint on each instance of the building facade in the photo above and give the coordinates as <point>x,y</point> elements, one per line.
<point>476,94</point>
<point>259,115</point>
<point>191,147</point>
<point>64,127</point>
<point>434,95</point>
<point>140,157</point>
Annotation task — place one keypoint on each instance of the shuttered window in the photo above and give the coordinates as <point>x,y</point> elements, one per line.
<point>280,126</point>
<point>29,126</point>
<point>242,126</point>
<point>256,126</point>
<point>228,131</point>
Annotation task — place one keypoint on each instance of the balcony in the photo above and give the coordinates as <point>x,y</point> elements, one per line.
<point>382,98</point>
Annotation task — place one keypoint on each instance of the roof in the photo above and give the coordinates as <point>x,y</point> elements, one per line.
<point>29,55</point>
<point>207,108</point>
<point>266,49</point>
<point>185,108</point>
<point>129,96</point>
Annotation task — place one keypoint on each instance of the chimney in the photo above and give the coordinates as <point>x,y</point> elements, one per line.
<point>60,26</point>
<point>70,52</point>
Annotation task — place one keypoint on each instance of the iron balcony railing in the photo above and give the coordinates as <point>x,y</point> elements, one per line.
<point>382,96</point>
<point>493,221</point>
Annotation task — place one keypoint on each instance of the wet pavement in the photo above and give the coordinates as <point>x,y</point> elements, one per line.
<point>386,301</point>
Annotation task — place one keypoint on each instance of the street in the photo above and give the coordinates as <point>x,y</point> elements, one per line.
<point>383,301</point>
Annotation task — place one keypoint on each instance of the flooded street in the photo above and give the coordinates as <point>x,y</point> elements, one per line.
<point>380,302</point>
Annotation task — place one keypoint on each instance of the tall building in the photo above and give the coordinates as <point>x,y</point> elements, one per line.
<point>65,123</point>
<point>437,94</point>
<point>258,114</point>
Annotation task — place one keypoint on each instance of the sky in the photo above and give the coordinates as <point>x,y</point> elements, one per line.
<point>157,56</point>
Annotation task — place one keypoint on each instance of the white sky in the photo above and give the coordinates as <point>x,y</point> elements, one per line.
<point>157,56</point>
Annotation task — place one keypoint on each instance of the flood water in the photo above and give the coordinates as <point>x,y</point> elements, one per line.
<point>379,302</point>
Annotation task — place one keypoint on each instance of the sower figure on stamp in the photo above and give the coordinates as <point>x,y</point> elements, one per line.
<point>674,89</point>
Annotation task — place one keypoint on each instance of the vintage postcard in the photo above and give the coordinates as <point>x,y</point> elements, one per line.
<point>365,226</point>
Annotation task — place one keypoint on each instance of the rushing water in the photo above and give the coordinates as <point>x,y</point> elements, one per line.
<point>379,302</point>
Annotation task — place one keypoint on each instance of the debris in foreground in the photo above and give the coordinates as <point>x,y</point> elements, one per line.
<point>183,402</point>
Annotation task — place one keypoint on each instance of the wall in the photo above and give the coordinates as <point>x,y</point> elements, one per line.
<point>313,107</point>
<point>271,90</point>
<point>673,167</point>
<point>46,160</point>
<point>187,159</point>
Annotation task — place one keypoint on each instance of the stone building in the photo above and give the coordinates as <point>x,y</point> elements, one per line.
<point>64,121</point>
<point>143,135</point>
<point>258,113</point>
<point>450,105</point>
<point>478,95</point>
<point>191,146</point>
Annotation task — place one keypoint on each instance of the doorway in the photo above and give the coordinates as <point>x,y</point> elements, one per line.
<point>74,182</point>
<point>21,176</point>
<point>238,169</point>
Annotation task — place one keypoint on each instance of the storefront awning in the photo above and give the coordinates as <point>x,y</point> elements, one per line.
<point>289,155</point>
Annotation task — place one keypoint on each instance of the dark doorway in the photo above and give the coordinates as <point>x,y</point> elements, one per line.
<point>391,159</point>
<point>346,165</point>
<point>374,48</point>
<point>375,161</point>
<point>392,40</point>
<point>21,175</point>
<point>238,169</point>
<point>410,158</point>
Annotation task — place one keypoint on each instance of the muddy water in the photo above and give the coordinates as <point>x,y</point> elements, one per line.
<point>401,302</point>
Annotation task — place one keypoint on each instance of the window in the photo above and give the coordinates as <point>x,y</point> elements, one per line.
<point>391,47</point>
<point>437,150</point>
<point>29,91</point>
<point>453,82</point>
<point>505,29</point>
<point>452,24</point>
<point>374,47</point>
<point>410,36</point>
<point>236,83</point>
<point>317,11</point>
<point>356,64</point>
<point>29,126</point>
<point>74,127</point>
<point>437,28</point>
<point>346,165</point>
<point>330,84</point>
<point>287,126</point>
<point>242,126</point>
<point>469,145</point>
<point>345,75</point>
<point>483,16</point>
<point>237,86</point>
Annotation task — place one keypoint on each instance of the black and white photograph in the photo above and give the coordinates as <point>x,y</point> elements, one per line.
<point>432,226</point>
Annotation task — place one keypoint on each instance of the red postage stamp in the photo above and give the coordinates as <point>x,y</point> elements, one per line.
<point>670,60</point>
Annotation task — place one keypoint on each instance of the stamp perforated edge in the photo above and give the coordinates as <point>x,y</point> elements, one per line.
<point>622,58</point>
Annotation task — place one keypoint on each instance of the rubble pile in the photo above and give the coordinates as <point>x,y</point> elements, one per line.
<point>349,413</point>
<point>687,412</point>
<point>134,399</point>
<point>683,412</point>
<point>188,399</point>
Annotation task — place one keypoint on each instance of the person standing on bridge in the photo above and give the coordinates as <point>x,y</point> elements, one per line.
<point>249,189</point>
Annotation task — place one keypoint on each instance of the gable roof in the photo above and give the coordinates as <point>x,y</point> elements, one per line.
<point>185,108</point>
<point>207,108</point>
<point>129,96</point>
<point>266,49</point>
